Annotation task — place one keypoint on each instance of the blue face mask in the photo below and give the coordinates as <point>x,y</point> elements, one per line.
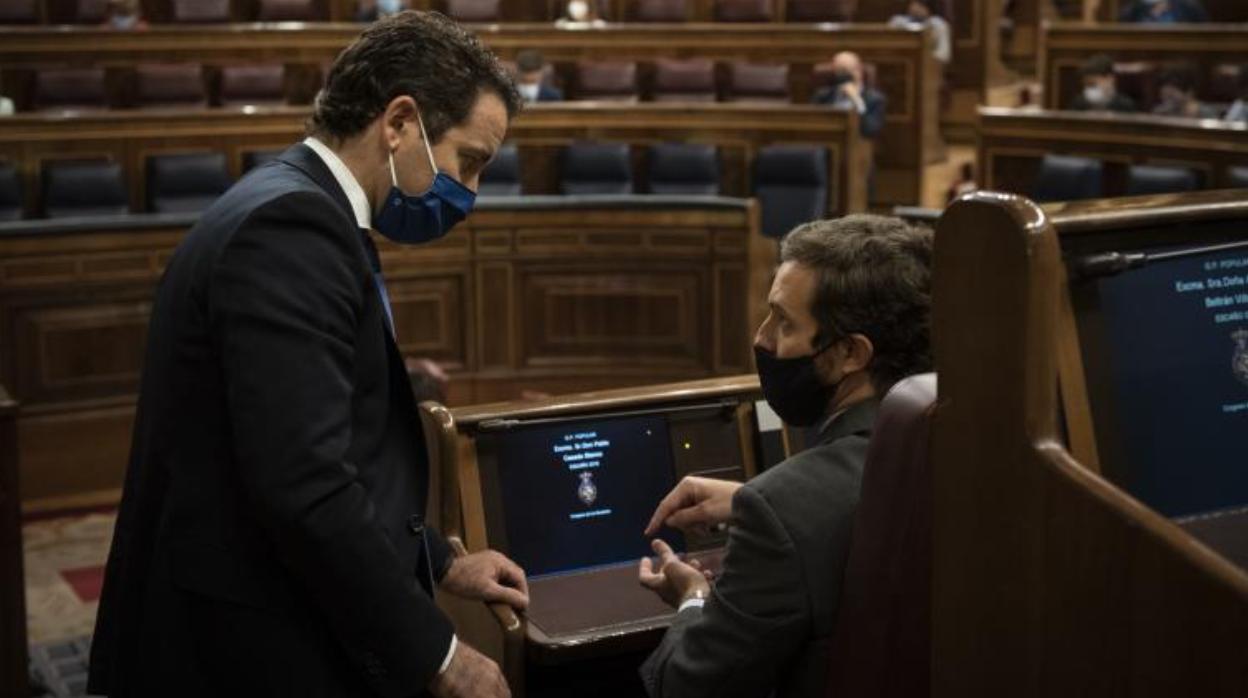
<point>385,8</point>
<point>412,220</point>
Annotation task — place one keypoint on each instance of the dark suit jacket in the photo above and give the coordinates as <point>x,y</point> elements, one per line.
<point>270,537</point>
<point>871,120</point>
<point>768,623</point>
<point>1119,103</point>
<point>1183,11</point>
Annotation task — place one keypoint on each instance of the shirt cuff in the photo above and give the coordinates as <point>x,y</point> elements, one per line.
<point>450,654</point>
<point>691,603</point>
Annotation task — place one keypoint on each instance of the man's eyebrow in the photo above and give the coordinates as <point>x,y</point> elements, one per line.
<point>778,309</point>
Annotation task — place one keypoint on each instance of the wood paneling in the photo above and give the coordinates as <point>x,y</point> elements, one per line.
<point>1066,45</point>
<point>549,295</point>
<point>1013,142</point>
<point>1048,580</point>
<point>908,75</point>
<point>738,130</point>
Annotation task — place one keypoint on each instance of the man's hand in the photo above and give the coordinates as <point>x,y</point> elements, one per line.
<point>695,503</point>
<point>470,675</point>
<point>488,576</point>
<point>676,580</point>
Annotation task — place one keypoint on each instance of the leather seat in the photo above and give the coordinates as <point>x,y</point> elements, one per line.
<point>759,82</point>
<point>1138,80</point>
<point>502,176</point>
<point>200,11</point>
<point>70,88</point>
<point>684,168</point>
<point>474,10</point>
<point>255,158</point>
<point>1067,178</point>
<point>288,11</point>
<point>791,183</point>
<point>176,85</point>
<point>881,643</point>
<point>1151,179</point>
<point>611,81</point>
<point>596,168</point>
<point>659,11</point>
<point>253,84</point>
<point>19,11</point>
<point>690,80</point>
<point>185,182</point>
<point>84,188</point>
<point>1237,177</point>
<point>744,10</point>
<point>820,10</point>
<point>10,192</point>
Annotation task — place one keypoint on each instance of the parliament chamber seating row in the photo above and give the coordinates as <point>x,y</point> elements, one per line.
<point>791,182</point>
<point>904,69</point>
<point>163,85</point>
<point>220,11</point>
<point>1065,156</point>
<point>1214,52</point>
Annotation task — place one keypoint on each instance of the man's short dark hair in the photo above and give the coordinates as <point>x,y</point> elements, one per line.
<point>1099,65</point>
<point>530,61</point>
<point>421,54</point>
<point>873,277</point>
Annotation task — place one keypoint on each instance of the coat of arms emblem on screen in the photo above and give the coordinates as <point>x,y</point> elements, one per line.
<point>1239,360</point>
<point>587,491</point>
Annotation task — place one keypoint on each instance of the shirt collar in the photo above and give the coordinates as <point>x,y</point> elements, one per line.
<point>350,186</point>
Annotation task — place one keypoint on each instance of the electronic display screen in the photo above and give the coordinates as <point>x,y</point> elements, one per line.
<point>577,494</point>
<point>1175,368</point>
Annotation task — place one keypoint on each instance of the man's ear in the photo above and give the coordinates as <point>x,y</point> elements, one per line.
<point>400,115</point>
<point>850,354</point>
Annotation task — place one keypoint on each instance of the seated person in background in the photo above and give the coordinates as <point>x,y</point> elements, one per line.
<point>373,10</point>
<point>1239,108</point>
<point>123,15</point>
<point>530,78</point>
<point>929,14</point>
<point>6,106</point>
<point>1163,12</point>
<point>848,89</point>
<point>1178,95</point>
<point>849,316</point>
<point>581,12</point>
<point>1100,87</point>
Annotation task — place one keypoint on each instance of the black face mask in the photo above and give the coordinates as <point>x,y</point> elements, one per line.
<point>792,386</point>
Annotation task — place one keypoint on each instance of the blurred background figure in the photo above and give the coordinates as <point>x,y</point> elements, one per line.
<point>1239,108</point>
<point>373,10</point>
<point>1178,95</point>
<point>581,12</point>
<point>531,78</point>
<point>928,14</point>
<point>124,15</point>
<point>1163,12</point>
<point>849,89</point>
<point>1100,88</point>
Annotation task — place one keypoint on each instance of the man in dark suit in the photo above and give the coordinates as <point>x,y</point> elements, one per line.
<point>849,89</point>
<point>849,316</point>
<point>271,539</point>
<point>533,79</point>
<point>1163,12</point>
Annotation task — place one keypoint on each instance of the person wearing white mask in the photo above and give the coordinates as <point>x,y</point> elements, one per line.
<point>123,15</point>
<point>531,78</point>
<point>581,12</point>
<point>1100,88</point>
<point>373,10</point>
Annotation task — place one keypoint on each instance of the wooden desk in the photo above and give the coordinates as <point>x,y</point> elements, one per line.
<point>13,667</point>
<point>551,295</point>
<point>1048,579</point>
<point>906,72</point>
<point>1012,143</point>
<point>540,131</point>
<point>1066,45</point>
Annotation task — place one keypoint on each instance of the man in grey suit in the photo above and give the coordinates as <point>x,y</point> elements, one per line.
<point>849,316</point>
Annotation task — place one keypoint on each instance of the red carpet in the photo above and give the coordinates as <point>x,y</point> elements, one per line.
<point>86,582</point>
